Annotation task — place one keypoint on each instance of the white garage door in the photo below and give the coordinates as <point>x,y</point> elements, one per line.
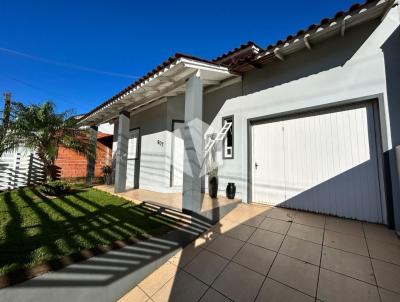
<point>324,162</point>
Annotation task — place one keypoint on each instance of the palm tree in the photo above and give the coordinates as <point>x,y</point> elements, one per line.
<point>42,129</point>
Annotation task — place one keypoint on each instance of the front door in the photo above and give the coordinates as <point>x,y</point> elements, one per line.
<point>132,168</point>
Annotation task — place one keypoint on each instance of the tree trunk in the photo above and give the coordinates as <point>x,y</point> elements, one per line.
<point>47,166</point>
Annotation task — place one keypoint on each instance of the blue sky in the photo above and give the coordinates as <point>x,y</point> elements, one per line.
<point>127,39</point>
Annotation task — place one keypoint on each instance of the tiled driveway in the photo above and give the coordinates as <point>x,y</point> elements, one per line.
<point>257,253</point>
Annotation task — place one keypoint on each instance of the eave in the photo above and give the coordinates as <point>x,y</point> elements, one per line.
<point>167,81</point>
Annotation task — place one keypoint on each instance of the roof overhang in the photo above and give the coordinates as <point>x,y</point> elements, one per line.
<point>336,26</point>
<point>168,81</point>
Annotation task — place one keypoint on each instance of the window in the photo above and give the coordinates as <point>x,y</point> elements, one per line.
<point>228,141</point>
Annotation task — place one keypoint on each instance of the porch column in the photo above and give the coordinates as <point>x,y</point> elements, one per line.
<point>122,151</point>
<point>114,150</point>
<point>193,142</point>
<point>91,158</point>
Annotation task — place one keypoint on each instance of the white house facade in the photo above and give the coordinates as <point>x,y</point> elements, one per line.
<point>313,120</point>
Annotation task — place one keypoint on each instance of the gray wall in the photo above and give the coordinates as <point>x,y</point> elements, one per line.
<point>215,108</point>
<point>391,52</point>
<point>175,109</point>
<point>153,147</point>
<point>214,101</point>
<point>332,53</point>
<point>150,121</point>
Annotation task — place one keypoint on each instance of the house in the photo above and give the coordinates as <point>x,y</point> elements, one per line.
<point>312,120</point>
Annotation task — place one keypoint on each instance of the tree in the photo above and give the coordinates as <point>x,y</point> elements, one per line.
<point>42,129</point>
<point>8,139</point>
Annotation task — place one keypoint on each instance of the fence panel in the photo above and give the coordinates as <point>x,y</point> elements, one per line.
<point>20,168</point>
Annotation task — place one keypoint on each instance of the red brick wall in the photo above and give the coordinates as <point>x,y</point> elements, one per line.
<point>73,164</point>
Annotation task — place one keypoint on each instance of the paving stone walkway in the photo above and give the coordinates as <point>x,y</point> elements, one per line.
<point>260,253</point>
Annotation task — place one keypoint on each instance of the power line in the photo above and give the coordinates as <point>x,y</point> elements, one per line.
<point>66,65</point>
<point>52,95</point>
<point>23,83</point>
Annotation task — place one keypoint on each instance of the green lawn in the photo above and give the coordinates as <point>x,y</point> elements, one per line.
<point>35,228</point>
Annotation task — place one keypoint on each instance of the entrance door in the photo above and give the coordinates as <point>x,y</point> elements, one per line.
<point>132,168</point>
<point>177,154</point>
<point>324,162</point>
<point>268,163</point>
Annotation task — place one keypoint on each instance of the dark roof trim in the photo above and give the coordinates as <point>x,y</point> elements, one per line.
<point>323,22</point>
<point>236,50</point>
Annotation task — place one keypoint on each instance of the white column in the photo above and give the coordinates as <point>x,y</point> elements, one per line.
<point>122,151</point>
<point>193,142</point>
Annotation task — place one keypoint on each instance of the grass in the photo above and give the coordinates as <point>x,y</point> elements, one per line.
<point>35,228</point>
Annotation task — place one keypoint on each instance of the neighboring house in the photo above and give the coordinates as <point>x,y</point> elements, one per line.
<point>72,164</point>
<point>315,120</point>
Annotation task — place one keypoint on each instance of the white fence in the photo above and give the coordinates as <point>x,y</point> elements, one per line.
<point>20,168</point>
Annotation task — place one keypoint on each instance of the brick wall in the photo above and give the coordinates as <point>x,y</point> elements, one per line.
<point>73,164</point>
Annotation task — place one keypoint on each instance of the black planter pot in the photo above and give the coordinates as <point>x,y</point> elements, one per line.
<point>213,187</point>
<point>230,190</point>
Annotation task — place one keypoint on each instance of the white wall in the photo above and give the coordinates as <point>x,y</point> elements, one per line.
<point>106,128</point>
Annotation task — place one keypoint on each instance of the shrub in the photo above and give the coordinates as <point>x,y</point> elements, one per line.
<point>106,169</point>
<point>56,188</point>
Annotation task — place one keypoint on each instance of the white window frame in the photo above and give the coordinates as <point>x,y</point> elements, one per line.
<point>228,153</point>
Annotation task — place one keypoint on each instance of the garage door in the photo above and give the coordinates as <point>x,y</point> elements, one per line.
<point>324,162</point>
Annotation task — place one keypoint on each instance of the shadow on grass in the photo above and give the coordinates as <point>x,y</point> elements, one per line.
<point>78,221</point>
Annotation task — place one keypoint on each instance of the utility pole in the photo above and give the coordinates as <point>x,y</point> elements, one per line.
<point>6,111</point>
<point>5,122</point>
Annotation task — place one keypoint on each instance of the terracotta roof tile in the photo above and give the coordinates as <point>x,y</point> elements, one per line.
<point>311,28</point>
<point>323,22</point>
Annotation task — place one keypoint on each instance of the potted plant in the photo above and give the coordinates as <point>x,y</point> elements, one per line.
<point>213,183</point>
<point>107,170</point>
